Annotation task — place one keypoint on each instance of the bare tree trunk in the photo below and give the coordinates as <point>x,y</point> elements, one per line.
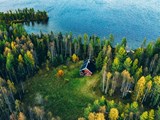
<point>66,47</point>
<point>22,86</point>
<point>30,113</point>
<point>103,79</point>
<point>144,97</point>
<point>7,102</point>
<point>107,85</point>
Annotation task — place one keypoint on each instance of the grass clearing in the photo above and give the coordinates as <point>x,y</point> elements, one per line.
<point>65,97</point>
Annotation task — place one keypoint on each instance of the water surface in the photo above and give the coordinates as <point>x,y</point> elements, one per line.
<point>133,19</point>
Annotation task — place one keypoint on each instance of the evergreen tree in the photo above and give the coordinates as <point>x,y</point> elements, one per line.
<point>99,60</point>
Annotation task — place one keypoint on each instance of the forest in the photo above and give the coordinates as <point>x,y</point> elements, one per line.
<point>127,81</point>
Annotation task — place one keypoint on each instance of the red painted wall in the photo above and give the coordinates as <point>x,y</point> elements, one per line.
<point>87,72</point>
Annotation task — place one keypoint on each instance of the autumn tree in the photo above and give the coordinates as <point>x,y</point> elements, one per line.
<point>21,116</point>
<point>116,64</point>
<point>127,64</point>
<point>113,114</point>
<point>100,116</point>
<point>29,60</point>
<point>127,82</point>
<point>75,58</point>
<point>151,114</point>
<point>91,116</point>
<point>114,83</point>
<point>109,75</point>
<point>12,88</point>
<point>139,89</point>
<point>144,116</point>
<point>60,73</point>
<point>147,90</point>
<point>121,54</point>
<point>39,112</point>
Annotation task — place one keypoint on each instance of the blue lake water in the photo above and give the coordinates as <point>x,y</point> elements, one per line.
<point>132,19</point>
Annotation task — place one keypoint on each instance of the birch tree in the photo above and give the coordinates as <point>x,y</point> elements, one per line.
<point>109,75</point>
<point>127,82</point>
<point>139,89</point>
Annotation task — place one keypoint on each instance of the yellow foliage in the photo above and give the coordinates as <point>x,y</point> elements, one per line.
<point>13,45</point>
<point>11,86</point>
<point>30,56</point>
<point>21,116</point>
<point>151,114</point>
<point>149,85</point>
<point>113,114</point>
<point>102,109</point>
<point>121,51</point>
<point>6,51</point>
<point>96,116</point>
<point>109,51</point>
<point>20,58</point>
<point>116,61</point>
<point>60,73</point>
<point>139,88</point>
<point>81,118</point>
<point>100,116</point>
<point>75,58</point>
<point>144,116</point>
<point>91,116</point>
<point>109,75</point>
<point>38,111</point>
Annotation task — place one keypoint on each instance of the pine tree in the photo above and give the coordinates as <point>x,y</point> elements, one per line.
<point>134,66</point>
<point>99,61</point>
<point>127,64</point>
<point>116,64</point>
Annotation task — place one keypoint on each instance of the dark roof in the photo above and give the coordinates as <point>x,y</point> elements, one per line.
<point>89,65</point>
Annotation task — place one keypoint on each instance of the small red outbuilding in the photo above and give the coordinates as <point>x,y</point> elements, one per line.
<point>87,68</point>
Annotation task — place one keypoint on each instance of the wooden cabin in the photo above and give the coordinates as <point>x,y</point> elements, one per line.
<point>87,68</point>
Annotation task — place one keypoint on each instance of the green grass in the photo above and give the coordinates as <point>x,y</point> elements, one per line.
<point>65,97</point>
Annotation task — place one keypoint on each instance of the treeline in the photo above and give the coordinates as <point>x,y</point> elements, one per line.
<point>22,54</point>
<point>110,110</point>
<point>24,15</point>
<point>131,74</point>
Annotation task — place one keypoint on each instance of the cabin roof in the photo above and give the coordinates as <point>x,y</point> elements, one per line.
<point>88,65</point>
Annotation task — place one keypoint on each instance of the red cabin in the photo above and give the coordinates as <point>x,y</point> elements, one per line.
<point>87,68</point>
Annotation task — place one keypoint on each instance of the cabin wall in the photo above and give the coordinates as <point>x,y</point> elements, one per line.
<point>86,72</point>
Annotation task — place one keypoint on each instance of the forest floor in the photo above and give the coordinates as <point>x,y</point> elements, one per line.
<point>65,97</point>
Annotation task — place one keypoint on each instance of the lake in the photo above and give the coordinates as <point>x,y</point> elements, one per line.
<point>132,19</point>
